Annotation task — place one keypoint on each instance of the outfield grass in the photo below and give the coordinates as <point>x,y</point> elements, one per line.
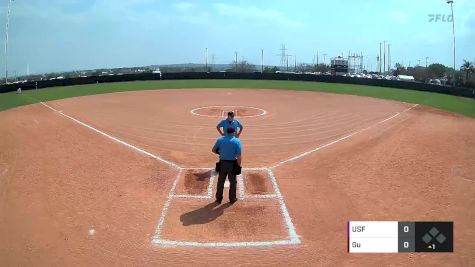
<point>461,105</point>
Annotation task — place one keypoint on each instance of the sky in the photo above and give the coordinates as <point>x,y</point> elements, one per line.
<point>64,35</point>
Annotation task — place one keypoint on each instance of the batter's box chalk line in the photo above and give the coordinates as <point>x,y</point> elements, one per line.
<point>209,190</point>
<point>293,238</point>
<point>240,184</point>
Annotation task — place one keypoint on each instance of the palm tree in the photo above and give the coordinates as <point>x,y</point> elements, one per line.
<point>468,68</point>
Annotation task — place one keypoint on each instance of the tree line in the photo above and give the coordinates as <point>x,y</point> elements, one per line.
<point>463,76</point>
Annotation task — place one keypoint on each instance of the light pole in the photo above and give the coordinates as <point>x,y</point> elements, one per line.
<point>389,57</point>
<point>7,24</point>
<point>262,60</point>
<point>451,2</point>
<point>384,58</point>
<point>206,60</point>
<point>379,58</point>
<point>295,63</point>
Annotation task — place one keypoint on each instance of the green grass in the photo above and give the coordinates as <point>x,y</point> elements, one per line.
<point>461,105</point>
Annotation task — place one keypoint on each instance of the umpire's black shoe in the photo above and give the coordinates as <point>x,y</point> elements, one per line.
<point>232,201</point>
<point>218,201</point>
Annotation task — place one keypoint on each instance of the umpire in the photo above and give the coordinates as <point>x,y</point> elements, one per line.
<point>230,122</point>
<point>229,149</point>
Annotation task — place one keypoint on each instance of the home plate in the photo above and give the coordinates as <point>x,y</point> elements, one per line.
<point>226,183</point>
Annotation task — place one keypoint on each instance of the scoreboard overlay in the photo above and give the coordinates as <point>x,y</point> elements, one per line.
<point>399,236</point>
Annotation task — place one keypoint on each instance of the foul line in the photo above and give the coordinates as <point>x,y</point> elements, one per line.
<point>293,237</point>
<point>341,139</point>
<point>114,138</point>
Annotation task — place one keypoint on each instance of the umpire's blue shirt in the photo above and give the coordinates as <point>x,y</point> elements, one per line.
<point>226,124</point>
<point>229,147</point>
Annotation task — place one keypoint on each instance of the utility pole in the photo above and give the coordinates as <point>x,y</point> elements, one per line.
<point>324,58</point>
<point>427,58</point>
<point>379,61</point>
<point>295,64</point>
<point>361,62</point>
<point>389,57</point>
<point>283,56</point>
<point>206,59</point>
<point>213,61</point>
<point>235,61</point>
<point>287,60</point>
<point>451,2</point>
<point>384,57</point>
<point>7,24</point>
<point>262,60</point>
<point>317,57</point>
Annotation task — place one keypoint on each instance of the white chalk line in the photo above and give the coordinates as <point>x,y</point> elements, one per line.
<point>240,182</point>
<point>341,139</point>
<point>223,113</point>
<point>209,190</point>
<point>210,185</point>
<point>261,196</point>
<point>283,208</point>
<point>191,196</point>
<point>293,237</point>
<point>114,138</point>
<point>166,206</point>
<point>242,186</point>
<point>173,243</point>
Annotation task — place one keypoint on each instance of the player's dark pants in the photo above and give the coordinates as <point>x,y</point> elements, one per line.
<point>226,170</point>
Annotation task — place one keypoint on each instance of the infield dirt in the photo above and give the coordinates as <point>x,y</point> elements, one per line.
<point>59,180</point>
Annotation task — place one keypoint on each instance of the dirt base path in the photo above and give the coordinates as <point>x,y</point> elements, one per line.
<point>69,196</point>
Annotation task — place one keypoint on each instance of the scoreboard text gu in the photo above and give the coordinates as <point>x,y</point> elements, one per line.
<point>394,237</point>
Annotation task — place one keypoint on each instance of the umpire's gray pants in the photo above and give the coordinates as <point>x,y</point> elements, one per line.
<point>226,171</point>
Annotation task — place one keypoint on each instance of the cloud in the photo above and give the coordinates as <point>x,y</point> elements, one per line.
<point>183,6</point>
<point>256,15</point>
<point>400,17</point>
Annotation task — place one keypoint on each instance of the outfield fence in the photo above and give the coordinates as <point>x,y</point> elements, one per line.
<point>457,91</point>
